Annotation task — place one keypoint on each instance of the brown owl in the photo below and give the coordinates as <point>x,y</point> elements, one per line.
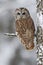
<point>25,27</point>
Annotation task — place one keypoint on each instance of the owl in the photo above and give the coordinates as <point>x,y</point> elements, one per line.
<point>25,28</point>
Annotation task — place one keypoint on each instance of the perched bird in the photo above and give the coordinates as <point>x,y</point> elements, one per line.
<point>25,27</point>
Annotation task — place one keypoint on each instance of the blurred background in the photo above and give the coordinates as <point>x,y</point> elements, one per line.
<point>12,52</point>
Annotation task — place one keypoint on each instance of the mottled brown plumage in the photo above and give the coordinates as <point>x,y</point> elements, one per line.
<point>25,28</point>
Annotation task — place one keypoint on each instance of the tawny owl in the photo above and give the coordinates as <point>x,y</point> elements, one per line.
<point>25,27</point>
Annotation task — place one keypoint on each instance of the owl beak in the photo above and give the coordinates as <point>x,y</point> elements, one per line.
<point>21,16</point>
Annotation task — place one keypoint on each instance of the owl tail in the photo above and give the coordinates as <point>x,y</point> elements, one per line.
<point>30,46</point>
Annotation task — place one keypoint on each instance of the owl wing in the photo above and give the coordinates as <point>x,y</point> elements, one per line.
<point>31,25</point>
<point>25,29</point>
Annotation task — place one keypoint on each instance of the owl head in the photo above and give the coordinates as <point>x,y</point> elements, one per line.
<point>21,13</point>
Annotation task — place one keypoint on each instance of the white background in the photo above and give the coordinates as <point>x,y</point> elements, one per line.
<point>12,52</point>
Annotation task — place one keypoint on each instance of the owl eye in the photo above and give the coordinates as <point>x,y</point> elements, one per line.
<point>23,13</point>
<point>18,13</point>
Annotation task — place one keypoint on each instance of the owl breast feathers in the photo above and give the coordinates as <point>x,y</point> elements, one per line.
<point>25,27</point>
